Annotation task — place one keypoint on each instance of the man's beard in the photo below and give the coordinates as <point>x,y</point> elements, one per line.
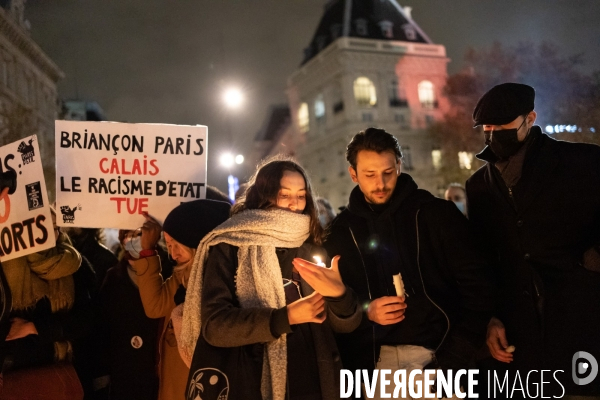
<point>374,197</point>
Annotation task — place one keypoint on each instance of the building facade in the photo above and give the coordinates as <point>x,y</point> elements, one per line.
<point>28,79</point>
<point>368,64</point>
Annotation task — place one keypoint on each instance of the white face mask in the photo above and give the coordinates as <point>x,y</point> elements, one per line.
<point>134,246</point>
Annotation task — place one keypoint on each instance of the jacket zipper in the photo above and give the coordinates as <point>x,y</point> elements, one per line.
<point>423,284</point>
<point>368,289</point>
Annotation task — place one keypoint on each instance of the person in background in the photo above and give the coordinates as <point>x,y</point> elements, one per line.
<point>127,338</point>
<point>326,213</point>
<point>183,228</point>
<point>256,311</point>
<point>89,243</point>
<point>51,319</point>
<point>457,194</point>
<point>536,207</point>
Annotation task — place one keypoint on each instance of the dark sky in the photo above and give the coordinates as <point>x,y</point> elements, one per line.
<point>169,61</point>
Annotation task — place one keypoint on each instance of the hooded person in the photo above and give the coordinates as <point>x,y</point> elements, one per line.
<point>184,228</point>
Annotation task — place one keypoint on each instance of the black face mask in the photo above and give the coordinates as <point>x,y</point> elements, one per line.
<point>504,142</point>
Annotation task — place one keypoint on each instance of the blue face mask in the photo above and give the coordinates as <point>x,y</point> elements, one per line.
<point>460,205</point>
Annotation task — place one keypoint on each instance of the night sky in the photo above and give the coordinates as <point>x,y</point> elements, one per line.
<point>169,62</point>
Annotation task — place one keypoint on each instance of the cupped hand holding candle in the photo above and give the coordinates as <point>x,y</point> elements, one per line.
<point>326,281</point>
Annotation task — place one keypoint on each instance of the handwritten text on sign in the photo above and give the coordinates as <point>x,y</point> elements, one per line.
<point>109,173</point>
<point>25,219</point>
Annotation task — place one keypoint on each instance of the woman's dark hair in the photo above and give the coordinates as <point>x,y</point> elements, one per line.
<point>372,139</point>
<point>263,189</point>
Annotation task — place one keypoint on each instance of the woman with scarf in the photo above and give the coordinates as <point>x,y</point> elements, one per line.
<point>183,228</point>
<point>258,314</point>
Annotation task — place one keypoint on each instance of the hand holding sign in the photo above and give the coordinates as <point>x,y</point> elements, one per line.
<point>150,233</point>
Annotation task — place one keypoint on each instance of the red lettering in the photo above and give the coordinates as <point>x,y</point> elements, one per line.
<point>143,205</point>
<point>119,200</point>
<point>153,164</point>
<point>123,169</point>
<point>114,165</point>
<point>102,167</point>
<point>6,198</point>
<point>136,167</point>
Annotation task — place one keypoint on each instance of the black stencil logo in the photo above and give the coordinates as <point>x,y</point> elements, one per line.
<point>34,196</point>
<point>26,151</point>
<point>69,213</point>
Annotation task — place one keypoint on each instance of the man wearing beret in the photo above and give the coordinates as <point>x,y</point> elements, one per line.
<point>536,207</point>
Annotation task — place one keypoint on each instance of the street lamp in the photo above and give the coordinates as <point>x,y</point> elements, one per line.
<point>233,98</point>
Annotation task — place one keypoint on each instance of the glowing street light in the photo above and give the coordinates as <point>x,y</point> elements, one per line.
<point>227,160</point>
<point>239,159</point>
<point>233,98</point>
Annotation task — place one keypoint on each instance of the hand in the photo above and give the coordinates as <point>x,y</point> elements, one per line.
<point>387,310</point>
<point>20,328</point>
<point>307,309</point>
<point>326,281</point>
<point>496,341</point>
<point>150,232</point>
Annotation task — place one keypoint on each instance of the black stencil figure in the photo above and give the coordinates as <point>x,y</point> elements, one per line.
<point>26,151</point>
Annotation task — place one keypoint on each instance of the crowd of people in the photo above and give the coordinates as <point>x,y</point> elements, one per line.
<point>270,297</point>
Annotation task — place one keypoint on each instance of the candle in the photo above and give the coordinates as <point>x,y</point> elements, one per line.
<point>318,261</point>
<point>399,285</point>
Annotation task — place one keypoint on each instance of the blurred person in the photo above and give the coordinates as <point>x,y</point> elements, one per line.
<point>437,315</point>
<point>258,315</point>
<point>325,211</point>
<point>51,318</point>
<point>456,193</point>
<point>536,204</point>
<point>183,228</point>
<point>213,193</point>
<point>127,338</point>
<point>89,243</point>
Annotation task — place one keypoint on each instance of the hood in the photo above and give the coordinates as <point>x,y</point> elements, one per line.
<point>405,187</point>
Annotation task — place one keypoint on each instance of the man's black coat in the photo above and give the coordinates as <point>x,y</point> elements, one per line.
<point>536,238</point>
<point>436,250</point>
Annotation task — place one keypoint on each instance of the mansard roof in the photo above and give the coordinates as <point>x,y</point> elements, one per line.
<point>367,19</point>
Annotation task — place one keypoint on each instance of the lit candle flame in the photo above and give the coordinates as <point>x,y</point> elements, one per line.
<point>319,262</point>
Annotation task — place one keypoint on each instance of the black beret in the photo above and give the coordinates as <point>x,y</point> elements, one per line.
<point>503,103</point>
<point>189,222</point>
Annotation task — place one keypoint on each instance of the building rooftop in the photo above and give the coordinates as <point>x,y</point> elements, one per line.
<point>367,19</point>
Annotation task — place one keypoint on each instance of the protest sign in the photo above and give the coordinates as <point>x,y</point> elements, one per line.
<point>25,218</point>
<point>108,173</point>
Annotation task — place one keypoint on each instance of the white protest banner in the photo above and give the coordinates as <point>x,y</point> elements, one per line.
<point>109,173</point>
<point>25,218</point>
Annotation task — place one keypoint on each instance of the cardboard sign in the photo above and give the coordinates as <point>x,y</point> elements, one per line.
<point>25,217</point>
<point>108,173</point>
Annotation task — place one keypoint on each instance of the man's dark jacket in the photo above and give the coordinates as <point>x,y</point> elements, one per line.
<point>536,238</point>
<point>436,250</point>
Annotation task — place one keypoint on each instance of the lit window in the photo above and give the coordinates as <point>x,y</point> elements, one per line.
<point>361,27</point>
<point>436,158</point>
<point>303,118</point>
<point>387,29</point>
<point>364,92</point>
<point>427,95</point>
<point>465,159</point>
<point>319,108</point>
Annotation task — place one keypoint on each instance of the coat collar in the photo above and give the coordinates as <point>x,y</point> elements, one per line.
<point>540,161</point>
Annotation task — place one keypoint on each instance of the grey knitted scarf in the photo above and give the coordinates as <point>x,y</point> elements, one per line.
<point>258,280</point>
